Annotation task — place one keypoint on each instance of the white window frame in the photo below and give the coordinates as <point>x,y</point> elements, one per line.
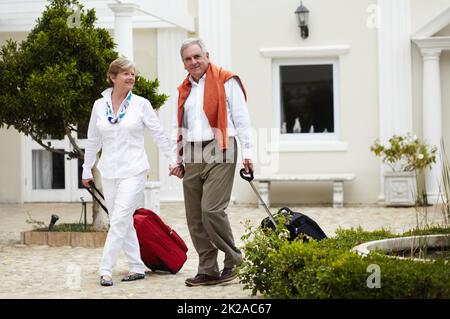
<point>304,142</point>
<point>310,137</point>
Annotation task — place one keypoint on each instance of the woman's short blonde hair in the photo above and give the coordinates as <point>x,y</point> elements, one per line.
<point>117,66</point>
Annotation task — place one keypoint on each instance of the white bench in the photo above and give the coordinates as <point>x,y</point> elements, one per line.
<point>337,179</point>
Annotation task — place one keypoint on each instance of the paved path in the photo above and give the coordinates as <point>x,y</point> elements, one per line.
<point>66,272</point>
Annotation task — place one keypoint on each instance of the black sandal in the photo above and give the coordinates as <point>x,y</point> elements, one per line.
<point>106,282</point>
<point>132,277</point>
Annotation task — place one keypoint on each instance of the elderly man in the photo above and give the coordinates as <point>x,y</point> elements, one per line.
<point>211,113</point>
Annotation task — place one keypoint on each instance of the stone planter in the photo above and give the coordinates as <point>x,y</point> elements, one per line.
<point>400,188</point>
<point>391,245</point>
<point>58,239</point>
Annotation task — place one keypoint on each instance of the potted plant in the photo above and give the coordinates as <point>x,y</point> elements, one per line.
<point>407,156</point>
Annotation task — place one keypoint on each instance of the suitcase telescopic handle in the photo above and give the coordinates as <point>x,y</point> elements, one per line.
<point>92,184</point>
<point>90,190</point>
<point>249,178</point>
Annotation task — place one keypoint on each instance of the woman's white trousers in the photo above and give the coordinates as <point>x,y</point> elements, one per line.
<point>122,197</point>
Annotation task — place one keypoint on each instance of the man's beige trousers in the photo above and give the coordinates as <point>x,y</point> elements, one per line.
<point>207,186</point>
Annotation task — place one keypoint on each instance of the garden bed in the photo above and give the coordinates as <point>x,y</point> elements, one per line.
<point>75,235</point>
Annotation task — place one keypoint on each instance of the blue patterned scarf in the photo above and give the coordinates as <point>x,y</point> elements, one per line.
<point>116,119</point>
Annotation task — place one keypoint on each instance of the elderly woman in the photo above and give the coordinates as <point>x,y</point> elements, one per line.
<point>117,126</point>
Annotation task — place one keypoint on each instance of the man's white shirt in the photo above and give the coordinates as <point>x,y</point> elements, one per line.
<point>196,127</point>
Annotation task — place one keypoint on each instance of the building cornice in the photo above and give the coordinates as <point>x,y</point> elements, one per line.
<point>435,25</point>
<point>21,15</point>
<point>305,52</point>
<point>433,43</point>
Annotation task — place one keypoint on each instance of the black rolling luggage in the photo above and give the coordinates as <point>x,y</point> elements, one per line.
<point>298,224</point>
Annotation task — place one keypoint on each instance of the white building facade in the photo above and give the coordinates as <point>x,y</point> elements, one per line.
<point>386,64</point>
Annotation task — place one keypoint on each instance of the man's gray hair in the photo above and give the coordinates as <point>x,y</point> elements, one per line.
<point>192,41</point>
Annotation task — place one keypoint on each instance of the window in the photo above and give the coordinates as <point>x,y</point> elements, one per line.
<point>80,171</point>
<point>48,170</point>
<point>54,178</point>
<point>306,99</point>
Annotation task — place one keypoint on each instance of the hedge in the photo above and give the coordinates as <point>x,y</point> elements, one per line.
<point>274,267</point>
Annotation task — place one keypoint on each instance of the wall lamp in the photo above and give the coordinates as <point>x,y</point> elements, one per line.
<point>302,19</point>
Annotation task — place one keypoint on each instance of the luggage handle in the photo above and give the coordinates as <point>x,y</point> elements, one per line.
<point>89,189</point>
<point>247,178</point>
<point>250,179</point>
<point>92,184</point>
<point>287,209</point>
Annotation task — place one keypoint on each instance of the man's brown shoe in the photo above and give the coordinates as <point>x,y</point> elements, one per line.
<point>228,274</point>
<point>202,280</point>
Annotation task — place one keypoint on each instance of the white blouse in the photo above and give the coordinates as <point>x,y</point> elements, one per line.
<point>123,153</point>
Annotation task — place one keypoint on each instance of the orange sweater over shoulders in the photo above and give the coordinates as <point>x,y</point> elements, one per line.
<point>214,101</point>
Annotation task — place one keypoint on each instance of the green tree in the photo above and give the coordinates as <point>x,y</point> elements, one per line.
<point>48,82</point>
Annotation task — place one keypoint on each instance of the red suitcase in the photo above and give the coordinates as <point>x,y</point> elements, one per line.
<point>161,247</point>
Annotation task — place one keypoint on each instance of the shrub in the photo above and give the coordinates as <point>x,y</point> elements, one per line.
<point>277,268</point>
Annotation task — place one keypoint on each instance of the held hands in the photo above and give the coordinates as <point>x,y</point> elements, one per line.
<point>177,171</point>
